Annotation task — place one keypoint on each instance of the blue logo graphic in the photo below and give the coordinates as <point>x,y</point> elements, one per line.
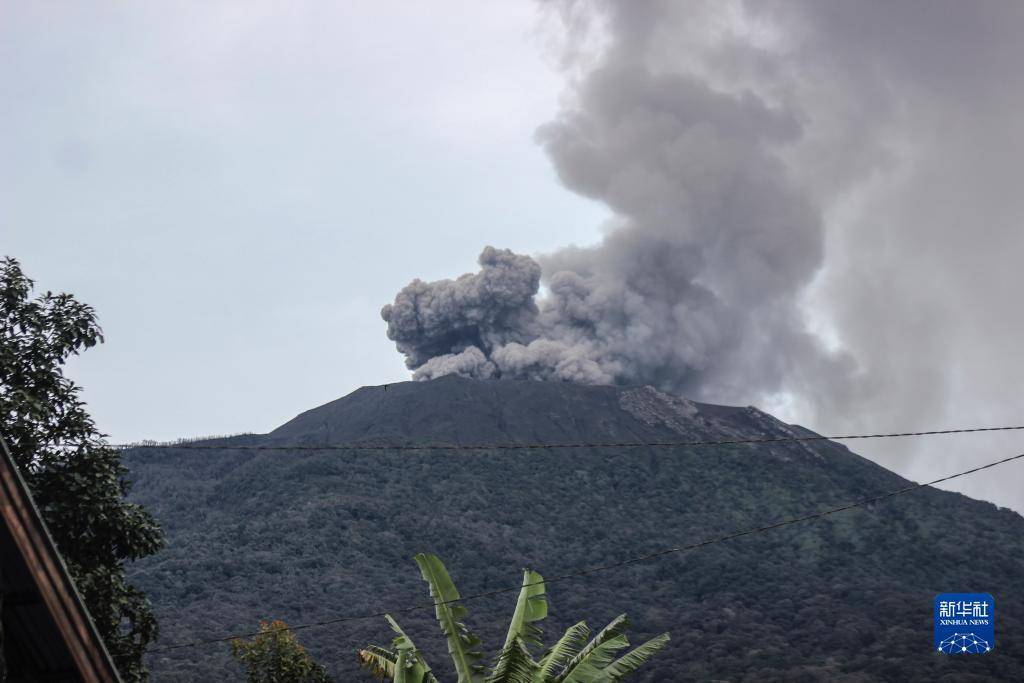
<point>965,623</point>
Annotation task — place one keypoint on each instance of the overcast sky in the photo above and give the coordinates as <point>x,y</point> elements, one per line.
<point>238,188</point>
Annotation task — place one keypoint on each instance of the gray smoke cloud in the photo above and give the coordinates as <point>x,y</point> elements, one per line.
<point>694,290</point>
<point>815,208</point>
<point>454,325</point>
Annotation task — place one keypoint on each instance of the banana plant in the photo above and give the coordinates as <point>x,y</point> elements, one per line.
<point>575,658</point>
<point>404,664</point>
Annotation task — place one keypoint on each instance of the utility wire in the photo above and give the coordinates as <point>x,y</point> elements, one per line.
<point>608,567</point>
<point>538,446</point>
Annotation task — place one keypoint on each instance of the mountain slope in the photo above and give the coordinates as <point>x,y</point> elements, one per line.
<point>312,535</point>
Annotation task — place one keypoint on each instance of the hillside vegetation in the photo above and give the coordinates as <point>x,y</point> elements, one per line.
<point>312,535</point>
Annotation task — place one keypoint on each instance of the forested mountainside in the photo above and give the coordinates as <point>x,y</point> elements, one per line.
<point>311,535</point>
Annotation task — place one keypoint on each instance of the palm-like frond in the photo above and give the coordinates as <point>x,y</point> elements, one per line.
<point>632,660</point>
<point>597,654</point>
<point>380,662</point>
<point>567,647</point>
<point>461,643</point>
<point>417,670</point>
<point>591,668</point>
<point>514,664</point>
<point>531,607</point>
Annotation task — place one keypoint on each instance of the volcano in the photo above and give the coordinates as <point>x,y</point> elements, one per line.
<point>309,535</point>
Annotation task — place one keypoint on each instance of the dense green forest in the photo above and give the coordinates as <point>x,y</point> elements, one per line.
<point>312,535</point>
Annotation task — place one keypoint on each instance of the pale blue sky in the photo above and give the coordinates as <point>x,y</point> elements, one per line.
<point>238,188</point>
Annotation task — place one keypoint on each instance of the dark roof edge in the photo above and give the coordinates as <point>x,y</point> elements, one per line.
<point>51,576</point>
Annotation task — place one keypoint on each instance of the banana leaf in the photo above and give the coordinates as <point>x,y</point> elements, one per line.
<point>531,607</point>
<point>568,646</point>
<point>634,659</point>
<point>597,654</point>
<point>514,664</point>
<point>461,643</point>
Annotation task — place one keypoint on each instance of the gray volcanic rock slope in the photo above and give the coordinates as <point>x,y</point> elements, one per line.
<point>461,411</point>
<point>311,535</point>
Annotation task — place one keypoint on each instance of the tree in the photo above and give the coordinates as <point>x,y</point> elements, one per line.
<point>575,658</point>
<point>77,481</point>
<point>275,656</point>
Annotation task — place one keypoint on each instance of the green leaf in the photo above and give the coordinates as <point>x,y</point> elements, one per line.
<point>418,670</point>
<point>514,664</point>
<point>567,647</point>
<point>76,480</point>
<point>586,666</point>
<point>635,658</point>
<point>401,673</point>
<point>532,606</point>
<point>461,643</point>
<point>570,660</point>
<point>379,661</point>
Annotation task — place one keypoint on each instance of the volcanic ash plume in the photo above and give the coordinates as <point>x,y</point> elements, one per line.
<point>693,290</point>
<point>484,325</point>
<point>720,135</point>
<point>452,326</point>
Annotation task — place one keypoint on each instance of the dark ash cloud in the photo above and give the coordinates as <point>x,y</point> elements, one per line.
<point>447,326</point>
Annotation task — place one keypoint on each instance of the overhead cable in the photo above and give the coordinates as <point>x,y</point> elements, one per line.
<point>355,446</point>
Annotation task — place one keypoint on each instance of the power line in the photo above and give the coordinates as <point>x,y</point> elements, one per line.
<point>538,446</point>
<point>608,567</point>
